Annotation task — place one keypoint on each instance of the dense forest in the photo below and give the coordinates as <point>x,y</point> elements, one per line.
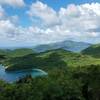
<point>71,76</point>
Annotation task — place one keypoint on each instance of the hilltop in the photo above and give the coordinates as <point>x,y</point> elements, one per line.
<point>66,45</point>
<point>93,51</point>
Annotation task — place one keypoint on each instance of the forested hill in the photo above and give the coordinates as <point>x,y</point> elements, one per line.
<point>93,51</point>
<point>16,52</point>
<point>49,59</point>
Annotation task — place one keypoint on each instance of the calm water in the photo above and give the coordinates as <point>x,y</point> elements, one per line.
<point>16,75</point>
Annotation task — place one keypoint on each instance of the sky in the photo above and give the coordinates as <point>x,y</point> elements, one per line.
<point>35,22</point>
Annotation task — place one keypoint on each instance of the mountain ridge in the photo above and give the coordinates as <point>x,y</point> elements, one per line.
<point>66,45</point>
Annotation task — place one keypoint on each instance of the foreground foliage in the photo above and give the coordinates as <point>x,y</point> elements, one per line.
<point>71,76</point>
<point>60,84</point>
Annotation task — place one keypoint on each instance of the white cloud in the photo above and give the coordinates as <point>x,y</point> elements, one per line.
<point>6,26</point>
<point>18,3</point>
<point>2,12</point>
<point>73,17</point>
<point>74,22</point>
<point>14,19</point>
<point>80,19</point>
<point>44,12</point>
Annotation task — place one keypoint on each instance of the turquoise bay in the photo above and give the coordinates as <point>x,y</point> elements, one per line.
<point>16,75</point>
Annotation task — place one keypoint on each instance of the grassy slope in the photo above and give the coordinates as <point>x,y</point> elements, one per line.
<point>93,51</point>
<point>11,54</point>
<point>20,52</point>
<point>72,59</point>
<point>4,52</point>
<point>49,59</point>
<point>16,53</point>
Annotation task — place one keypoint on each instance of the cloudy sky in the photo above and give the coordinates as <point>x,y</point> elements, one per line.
<point>33,22</point>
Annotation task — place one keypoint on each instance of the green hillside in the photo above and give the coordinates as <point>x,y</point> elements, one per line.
<point>49,59</point>
<point>8,54</point>
<point>93,51</point>
<point>20,52</point>
<point>71,76</point>
<point>16,53</point>
<point>3,52</point>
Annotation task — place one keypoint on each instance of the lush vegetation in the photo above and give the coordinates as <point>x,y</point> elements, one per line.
<point>93,51</point>
<point>82,83</point>
<point>16,52</point>
<point>71,76</point>
<point>20,52</point>
<point>49,59</point>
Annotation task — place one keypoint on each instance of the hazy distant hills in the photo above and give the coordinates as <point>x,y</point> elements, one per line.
<point>66,45</point>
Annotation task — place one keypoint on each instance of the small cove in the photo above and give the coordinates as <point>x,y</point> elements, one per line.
<point>13,76</point>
